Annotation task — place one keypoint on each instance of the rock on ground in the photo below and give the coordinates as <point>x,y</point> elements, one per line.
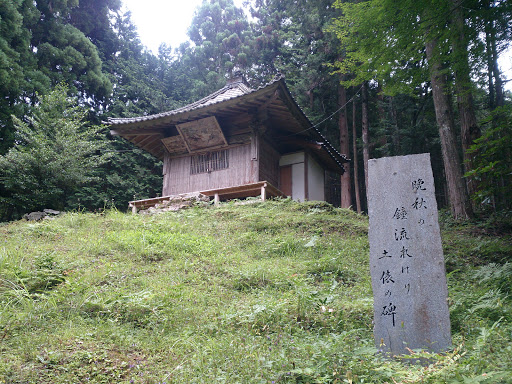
<point>175,203</point>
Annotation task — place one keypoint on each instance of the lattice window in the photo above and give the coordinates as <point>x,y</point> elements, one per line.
<point>209,162</point>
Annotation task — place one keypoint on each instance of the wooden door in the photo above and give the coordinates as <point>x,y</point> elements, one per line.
<point>285,180</point>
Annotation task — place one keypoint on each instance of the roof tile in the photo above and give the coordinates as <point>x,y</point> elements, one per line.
<point>230,91</point>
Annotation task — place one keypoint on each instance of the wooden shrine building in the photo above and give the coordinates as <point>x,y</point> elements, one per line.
<point>236,142</point>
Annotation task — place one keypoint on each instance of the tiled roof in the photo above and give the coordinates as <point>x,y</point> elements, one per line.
<point>232,90</point>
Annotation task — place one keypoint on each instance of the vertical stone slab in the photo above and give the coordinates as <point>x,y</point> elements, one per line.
<point>406,256</point>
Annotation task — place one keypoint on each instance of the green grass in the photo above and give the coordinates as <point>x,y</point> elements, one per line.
<point>267,292</point>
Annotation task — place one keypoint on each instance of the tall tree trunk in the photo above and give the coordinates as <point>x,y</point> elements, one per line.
<point>384,126</point>
<point>346,187</point>
<point>380,107</point>
<point>500,102</point>
<point>459,201</point>
<point>496,97</point>
<point>500,99</point>
<point>490,65</point>
<point>366,147</point>
<point>469,129</point>
<point>395,138</point>
<point>355,158</point>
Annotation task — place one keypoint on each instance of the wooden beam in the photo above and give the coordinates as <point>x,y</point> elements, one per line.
<point>183,137</point>
<point>143,140</point>
<point>153,146</point>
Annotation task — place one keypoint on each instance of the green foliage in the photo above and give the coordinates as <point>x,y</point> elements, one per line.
<point>384,42</point>
<point>56,152</point>
<point>388,42</point>
<point>63,53</point>
<point>492,156</point>
<point>130,174</point>
<point>39,48</point>
<point>290,38</point>
<point>139,76</point>
<point>141,82</point>
<point>222,39</point>
<point>31,281</point>
<point>92,17</point>
<point>69,56</point>
<point>188,297</point>
<point>14,43</point>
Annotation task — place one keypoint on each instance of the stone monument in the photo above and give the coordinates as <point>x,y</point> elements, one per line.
<point>406,257</point>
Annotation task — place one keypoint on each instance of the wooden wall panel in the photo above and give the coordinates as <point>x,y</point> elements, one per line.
<point>179,180</point>
<point>285,180</point>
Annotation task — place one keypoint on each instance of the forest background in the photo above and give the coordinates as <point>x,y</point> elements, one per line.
<point>377,78</point>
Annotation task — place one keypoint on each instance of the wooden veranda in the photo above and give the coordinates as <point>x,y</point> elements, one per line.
<point>262,189</point>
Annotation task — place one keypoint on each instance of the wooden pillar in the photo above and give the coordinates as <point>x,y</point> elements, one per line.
<point>216,199</point>
<point>264,192</point>
<point>255,162</point>
<point>134,209</point>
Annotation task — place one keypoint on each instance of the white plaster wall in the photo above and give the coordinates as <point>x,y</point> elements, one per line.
<point>298,185</point>
<point>316,180</point>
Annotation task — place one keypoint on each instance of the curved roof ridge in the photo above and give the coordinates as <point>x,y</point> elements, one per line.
<point>230,90</point>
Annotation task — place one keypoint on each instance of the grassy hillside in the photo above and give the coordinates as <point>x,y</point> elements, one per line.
<point>275,292</point>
